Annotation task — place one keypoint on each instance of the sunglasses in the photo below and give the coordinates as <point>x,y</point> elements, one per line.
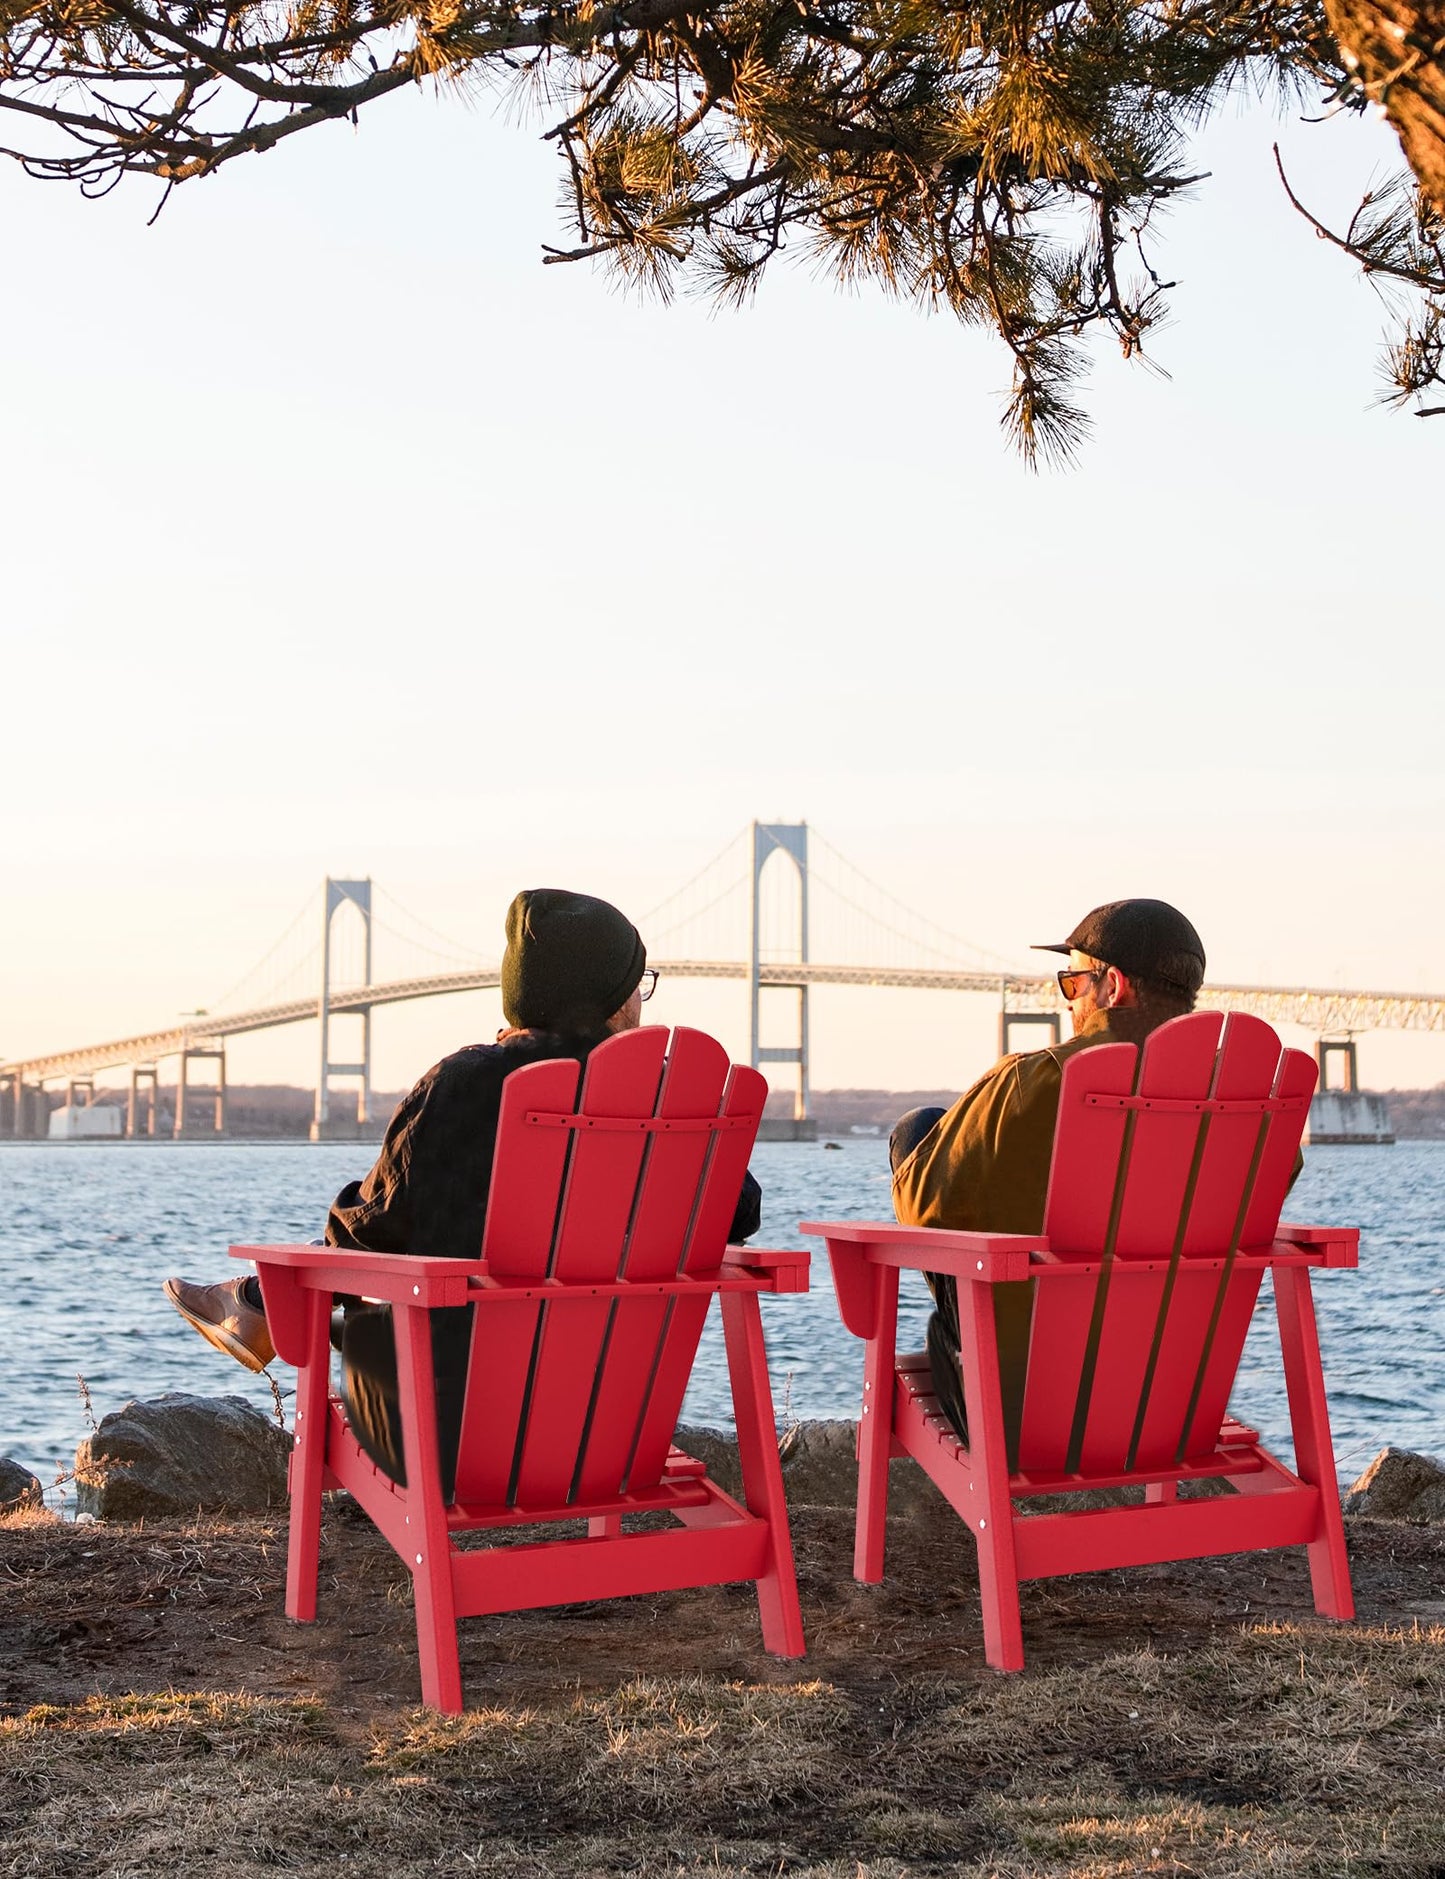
<point>1072,984</point>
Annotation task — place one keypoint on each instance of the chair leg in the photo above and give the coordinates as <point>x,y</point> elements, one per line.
<point>436,1634</point>
<point>875,1433</point>
<point>604,1526</point>
<point>306,1474</point>
<point>778,1607</point>
<point>1314,1450</point>
<point>998,1580</point>
<point>998,1590</point>
<point>430,1559</point>
<point>1161,1493</point>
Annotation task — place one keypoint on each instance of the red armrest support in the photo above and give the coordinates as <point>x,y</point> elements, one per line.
<point>394,1278</point>
<point>1335,1246</point>
<point>785,1269</point>
<point>991,1257</point>
<point>861,1251</point>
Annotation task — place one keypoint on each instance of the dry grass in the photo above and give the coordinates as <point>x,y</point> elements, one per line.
<point>1278,1751</point>
<point>159,1718</point>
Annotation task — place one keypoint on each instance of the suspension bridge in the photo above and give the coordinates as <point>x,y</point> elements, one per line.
<point>779,907</point>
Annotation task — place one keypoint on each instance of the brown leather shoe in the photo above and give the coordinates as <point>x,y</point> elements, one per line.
<point>222,1316</point>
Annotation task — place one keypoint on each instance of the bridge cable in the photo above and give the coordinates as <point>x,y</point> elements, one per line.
<point>308,911</point>
<point>893,901</point>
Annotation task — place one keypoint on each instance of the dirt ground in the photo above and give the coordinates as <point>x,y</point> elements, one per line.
<point>101,1609</point>
<point>158,1714</point>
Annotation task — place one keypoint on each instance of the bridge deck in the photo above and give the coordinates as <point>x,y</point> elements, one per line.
<point>1323,1010</point>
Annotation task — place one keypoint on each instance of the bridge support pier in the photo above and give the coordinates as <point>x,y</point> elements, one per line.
<point>325,1126</point>
<point>149,1074</point>
<point>1327,1050</point>
<point>1008,1019</point>
<point>216,1091</point>
<point>26,1107</point>
<point>1343,1112</point>
<point>30,1113</point>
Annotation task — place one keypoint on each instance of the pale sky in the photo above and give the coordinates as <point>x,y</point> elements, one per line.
<point>341,536</point>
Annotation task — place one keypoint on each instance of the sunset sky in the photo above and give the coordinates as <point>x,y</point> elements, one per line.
<point>341,536</point>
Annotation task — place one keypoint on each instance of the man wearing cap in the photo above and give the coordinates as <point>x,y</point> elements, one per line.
<point>574,971</point>
<point>983,1165</point>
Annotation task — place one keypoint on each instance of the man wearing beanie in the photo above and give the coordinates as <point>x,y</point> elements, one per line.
<point>572,975</point>
<point>983,1165</point>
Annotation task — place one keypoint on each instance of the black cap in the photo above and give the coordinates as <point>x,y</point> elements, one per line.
<point>1147,939</point>
<point>571,961</point>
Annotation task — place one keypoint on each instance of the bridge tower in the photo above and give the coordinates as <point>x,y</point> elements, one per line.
<point>789,839</point>
<point>324,1125</point>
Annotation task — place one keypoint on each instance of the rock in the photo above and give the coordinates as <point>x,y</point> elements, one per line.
<point>181,1454</point>
<point>820,1467</point>
<point>717,1451</point>
<point>19,1489</point>
<point>820,1464</point>
<point>1399,1485</point>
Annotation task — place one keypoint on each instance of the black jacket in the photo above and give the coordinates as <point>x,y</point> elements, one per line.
<point>427,1195</point>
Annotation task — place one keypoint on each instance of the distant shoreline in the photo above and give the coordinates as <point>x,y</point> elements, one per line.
<point>264,1113</point>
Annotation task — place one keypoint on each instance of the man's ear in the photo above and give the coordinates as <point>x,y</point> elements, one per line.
<point>1121,989</point>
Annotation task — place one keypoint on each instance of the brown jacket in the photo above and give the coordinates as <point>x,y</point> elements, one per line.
<point>985,1168</point>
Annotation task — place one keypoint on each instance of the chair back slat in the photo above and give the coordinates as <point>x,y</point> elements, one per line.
<point>1221,1364</point>
<point>692,1085</point>
<point>621,1083</point>
<point>743,1096</point>
<point>1131,1312</point>
<point>1132,1367</point>
<point>1181,1348</point>
<point>1081,1191</point>
<point>1248,1062</point>
<point>1242,1140</point>
<point>517,1238</point>
<point>742,1099</point>
<point>1298,1075</point>
<point>1060,1328</point>
<point>1177,1065</point>
<point>527,1168</point>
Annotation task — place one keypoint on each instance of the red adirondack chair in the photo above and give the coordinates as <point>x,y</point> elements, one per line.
<point>604,1245</point>
<point>1169,1170</point>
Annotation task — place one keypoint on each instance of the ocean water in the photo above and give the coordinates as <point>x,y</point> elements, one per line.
<point>91,1229</point>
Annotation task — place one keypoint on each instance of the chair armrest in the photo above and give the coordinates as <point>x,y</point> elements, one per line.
<point>783,1269</point>
<point>1335,1246</point>
<point>392,1278</point>
<point>991,1257</point>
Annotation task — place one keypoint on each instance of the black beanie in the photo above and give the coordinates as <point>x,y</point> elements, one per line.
<point>571,961</point>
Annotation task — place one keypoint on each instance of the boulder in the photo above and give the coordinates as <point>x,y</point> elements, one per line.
<point>716,1450</point>
<point>1400,1485</point>
<point>820,1464</point>
<point>19,1489</point>
<point>820,1467</point>
<point>181,1454</point>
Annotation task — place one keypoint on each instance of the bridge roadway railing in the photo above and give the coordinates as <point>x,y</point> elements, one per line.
<point>1325,1011</point>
